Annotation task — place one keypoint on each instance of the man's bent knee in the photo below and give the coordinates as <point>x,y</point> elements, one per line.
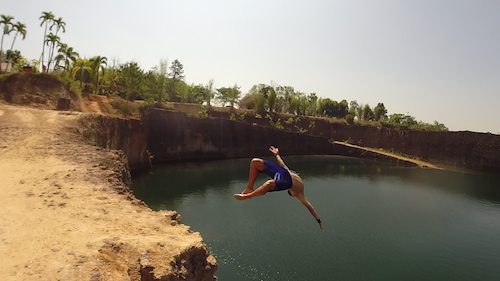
<point>257,160</point>
<point>258,163</point>
<point>270,185</point>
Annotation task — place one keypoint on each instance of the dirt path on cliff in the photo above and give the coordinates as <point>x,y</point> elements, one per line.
<point>414,161</point>
<point>65,216</point>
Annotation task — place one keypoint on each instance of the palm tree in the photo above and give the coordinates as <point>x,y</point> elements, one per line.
<point>96,64</point>
<point>60,56</point>
<point>81,67</point>
<point>7,28</point>
<point>51,41</point>
<point>60,24</point>
<point>19,28</point>
<point>69,56</point>
<point>209,92</point>
<point>46,18</point>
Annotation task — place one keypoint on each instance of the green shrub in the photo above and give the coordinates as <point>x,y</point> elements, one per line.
<point>312,124</point>
<point>232,117</point>
<point>125,107</point>
<point>121,106</point>
<point>301,130</point>
<point>145,106</point>
<point>70,84</point>
<point>242,116</point>
<point>269,118</point>
<point>289,121</point>
<point>349,119</point>
<point>257,115</point>
<point>276,124</point>
<point>203,113</point>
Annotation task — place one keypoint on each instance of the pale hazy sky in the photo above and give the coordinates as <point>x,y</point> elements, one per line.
<point>434,59</point>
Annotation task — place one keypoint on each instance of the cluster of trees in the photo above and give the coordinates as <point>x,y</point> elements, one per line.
<point>407,121</point>
<point>8,26</point>
<point>160,83</point>
<point>52,40</point>
<point>93,73</point>
<point>164,83</point>
<point>127,79</point>
<point>284,99</point>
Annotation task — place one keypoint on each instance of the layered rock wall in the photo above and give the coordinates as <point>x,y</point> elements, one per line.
<point>175,136</point>
<point>470,150</point>
<point>478,151</point>
<point>127,135</point>
<point>151,256</point>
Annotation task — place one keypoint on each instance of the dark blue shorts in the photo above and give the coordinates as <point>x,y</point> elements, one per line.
<point>280,175</point>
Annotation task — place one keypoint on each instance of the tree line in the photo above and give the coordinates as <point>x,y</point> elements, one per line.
<point>167,83</point>
<point>284,99</point>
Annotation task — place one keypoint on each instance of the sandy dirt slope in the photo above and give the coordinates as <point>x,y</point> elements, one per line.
<point>63,214</point>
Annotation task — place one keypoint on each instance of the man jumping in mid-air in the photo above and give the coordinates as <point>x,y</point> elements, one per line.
<point>282,179</point>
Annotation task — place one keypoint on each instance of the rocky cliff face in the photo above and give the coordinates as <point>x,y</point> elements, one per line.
<point>478,151</point>
<point>470,150</point>
<point>175,136</point>
<point>127,135</point>
<point>151,258</point>
<point>170,136</point>
<point>167,250</point>
<point>66,202</point>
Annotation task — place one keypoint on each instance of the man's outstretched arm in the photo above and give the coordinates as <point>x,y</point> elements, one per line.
<point>276,153</point>
<point>308,205</point>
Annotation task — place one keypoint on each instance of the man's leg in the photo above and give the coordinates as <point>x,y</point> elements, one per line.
<point>263,189</point>
<point>256,165</point>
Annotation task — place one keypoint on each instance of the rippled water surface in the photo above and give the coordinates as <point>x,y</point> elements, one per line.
<point>382,222</point>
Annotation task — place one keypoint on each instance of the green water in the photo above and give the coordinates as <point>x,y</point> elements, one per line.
<point>381,221</point>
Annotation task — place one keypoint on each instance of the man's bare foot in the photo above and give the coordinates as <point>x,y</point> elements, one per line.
<point>241,197</point>
<point>247,190</point>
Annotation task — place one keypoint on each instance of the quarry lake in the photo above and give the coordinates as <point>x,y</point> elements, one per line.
<point>381,221</point>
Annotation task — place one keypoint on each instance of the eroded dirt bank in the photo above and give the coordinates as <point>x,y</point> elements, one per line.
<point>66,215</point>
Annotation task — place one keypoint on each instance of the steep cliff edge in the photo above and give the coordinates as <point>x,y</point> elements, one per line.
<point>175,136</point>
<point>67,215</point>
<point>127,135</point>
<point>470,150</point>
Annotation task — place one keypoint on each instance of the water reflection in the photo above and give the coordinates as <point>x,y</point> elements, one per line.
<point>485,187</point>
<point>168,182</point>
